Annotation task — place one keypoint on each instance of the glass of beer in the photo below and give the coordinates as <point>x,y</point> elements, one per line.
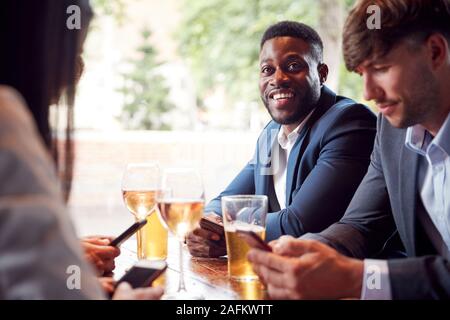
<point>180,203</point>
<point>140,183</point>
<point>242,212</point>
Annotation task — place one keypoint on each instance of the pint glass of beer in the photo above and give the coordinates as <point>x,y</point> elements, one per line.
<point>242,212</point>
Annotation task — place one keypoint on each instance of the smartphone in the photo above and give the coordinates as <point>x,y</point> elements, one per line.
<point>212,226</point>
<point>128,233</point>
<point>143,273</point>
<point>254,240</point>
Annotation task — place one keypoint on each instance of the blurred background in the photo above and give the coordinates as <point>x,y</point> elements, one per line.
<point>176,81</point>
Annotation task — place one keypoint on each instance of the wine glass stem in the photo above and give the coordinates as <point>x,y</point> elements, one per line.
<point>181,286</point>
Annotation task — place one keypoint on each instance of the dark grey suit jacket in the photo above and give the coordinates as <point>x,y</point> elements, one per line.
<point>387,202</point>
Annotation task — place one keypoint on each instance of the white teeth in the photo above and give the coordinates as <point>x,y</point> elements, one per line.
<point>278,96</point>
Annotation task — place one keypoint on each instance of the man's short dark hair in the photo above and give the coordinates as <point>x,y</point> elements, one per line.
<point>399,19</point>
<point>296,30</point>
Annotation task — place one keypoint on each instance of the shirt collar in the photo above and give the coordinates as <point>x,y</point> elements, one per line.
<point>289,140</point>
<point>442,138</point>
<point>418,139</point>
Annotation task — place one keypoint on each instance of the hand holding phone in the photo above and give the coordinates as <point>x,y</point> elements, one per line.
<point>128,233</point>
<point>143,273</point>
<point>213,226</point>
<point>253,240</point>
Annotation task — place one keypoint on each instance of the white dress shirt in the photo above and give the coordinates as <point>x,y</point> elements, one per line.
<point>286,143</point>
<point>435,191</point>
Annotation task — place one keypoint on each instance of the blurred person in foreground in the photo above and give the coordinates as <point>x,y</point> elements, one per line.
<point>311,157</point>
<point>37,241</point>
<point>405,68</point>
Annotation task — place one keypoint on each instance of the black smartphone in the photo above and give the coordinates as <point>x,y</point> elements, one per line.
<point>254,240</point>
<point>128,233</point>
<point>143,273</point>
<point>212,226</point>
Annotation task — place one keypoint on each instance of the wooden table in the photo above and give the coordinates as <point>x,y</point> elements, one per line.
<point>205,277</point>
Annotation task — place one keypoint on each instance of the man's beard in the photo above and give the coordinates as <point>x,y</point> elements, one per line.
<point>423,101</point>
<point>307,103</point>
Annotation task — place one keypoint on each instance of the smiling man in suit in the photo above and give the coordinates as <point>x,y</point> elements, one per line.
<point>405,67</point>
<point>311,157</point>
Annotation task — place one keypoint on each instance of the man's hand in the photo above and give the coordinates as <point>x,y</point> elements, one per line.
<point>205,243</point>
<point>306,269</point>
<point>125,292</point>
<point>108,284</point>
<point>100,254</point>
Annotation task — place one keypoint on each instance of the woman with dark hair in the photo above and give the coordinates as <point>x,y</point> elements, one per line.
<point>40,257</point>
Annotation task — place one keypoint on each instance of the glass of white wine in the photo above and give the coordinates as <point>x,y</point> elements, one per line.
<point>180,202</point>
<point>140,184</point>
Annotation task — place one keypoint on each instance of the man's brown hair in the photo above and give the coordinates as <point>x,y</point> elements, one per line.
<point>400,19</point>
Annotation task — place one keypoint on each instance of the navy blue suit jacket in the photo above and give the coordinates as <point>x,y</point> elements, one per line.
<point>325,166</point>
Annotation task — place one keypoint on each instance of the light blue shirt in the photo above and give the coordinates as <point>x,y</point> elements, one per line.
<point>435,191</point>
<point>435,195</point>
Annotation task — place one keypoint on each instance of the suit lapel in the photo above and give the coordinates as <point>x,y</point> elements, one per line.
<point>274,205</point>
<point>265,171</point>
<point>408,194</point>
<point>292,164</point>
<point>327,99</point>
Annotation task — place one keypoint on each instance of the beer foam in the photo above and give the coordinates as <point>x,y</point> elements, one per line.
<point>240,225</point>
